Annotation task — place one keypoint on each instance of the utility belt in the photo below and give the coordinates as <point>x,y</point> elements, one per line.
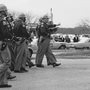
<point>7,40</point>
<point>20,40</point>
<point>42,38</point>
<point>46,35</point>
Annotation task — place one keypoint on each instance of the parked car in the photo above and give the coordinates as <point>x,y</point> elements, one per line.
<point>58,45</point>
<point>82,44</point>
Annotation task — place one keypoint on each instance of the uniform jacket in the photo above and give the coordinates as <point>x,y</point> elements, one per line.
<point>45,30</point>
<point>5,30</point>
<point>20,29</point>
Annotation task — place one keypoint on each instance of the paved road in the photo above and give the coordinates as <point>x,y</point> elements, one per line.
<point>73,74</point>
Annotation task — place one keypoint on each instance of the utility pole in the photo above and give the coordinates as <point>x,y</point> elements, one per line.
<point>51,14</point>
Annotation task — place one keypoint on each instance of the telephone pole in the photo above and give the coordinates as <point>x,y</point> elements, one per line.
<point>51,14</point>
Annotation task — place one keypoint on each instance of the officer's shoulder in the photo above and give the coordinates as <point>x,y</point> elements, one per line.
<point>17,21</point>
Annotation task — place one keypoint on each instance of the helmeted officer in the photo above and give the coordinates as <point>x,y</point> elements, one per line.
<point>5,58</point>
<point>21,33</point>
<point>10,41</point>
<point>44,31</point>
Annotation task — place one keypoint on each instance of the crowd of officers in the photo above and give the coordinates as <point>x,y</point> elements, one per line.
<point>14,52</point>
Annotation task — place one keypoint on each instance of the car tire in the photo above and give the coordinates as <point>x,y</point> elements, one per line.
<point>62,47</point>
<point>87,48</point>
<point>76,48</point>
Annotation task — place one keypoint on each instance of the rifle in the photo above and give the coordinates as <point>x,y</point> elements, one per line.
<point>53,27</point>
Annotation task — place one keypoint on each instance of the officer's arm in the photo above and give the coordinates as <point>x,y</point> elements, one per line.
<point>51,26</point>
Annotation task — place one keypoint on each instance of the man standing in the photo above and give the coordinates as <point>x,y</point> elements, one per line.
<point>44,31</point>
<point>5,58</point>
<point>21,33</point>
<point>76,38</point>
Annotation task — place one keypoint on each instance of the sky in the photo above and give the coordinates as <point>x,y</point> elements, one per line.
<point>67,12</point>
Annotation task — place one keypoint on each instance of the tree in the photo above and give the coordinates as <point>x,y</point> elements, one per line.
<point>31,18</point>
<point>83,26</point>
<point>14,14</point>
<point>84,23</point>
<point>32,21</point>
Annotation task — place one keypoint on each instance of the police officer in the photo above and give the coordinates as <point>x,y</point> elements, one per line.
<point>21,33</point>
<point>11,41</point>
<point>5,58</point>
<point>44,31</point>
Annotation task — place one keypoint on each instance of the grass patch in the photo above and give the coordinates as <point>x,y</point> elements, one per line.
<point>74,54</point>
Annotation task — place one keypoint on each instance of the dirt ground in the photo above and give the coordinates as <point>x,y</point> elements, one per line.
<point>73,74</point>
